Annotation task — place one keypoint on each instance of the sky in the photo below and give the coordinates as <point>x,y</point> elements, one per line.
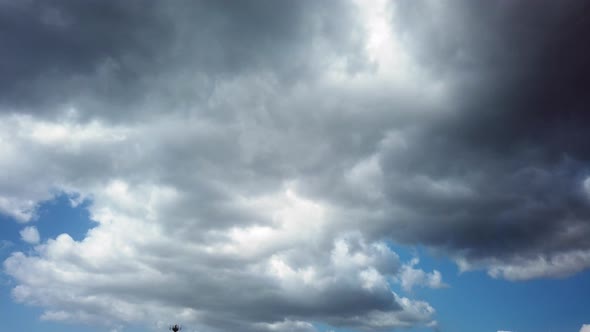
<point>295,166</point>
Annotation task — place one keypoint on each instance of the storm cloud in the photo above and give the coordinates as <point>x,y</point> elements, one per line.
<point>282,146</point>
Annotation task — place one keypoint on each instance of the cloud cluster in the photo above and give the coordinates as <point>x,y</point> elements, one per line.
<point>247,162</point>
<point>131,269</point>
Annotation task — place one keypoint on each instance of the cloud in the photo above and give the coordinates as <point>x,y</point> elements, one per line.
<point>30,235</point>
<point>560,265</point>
<point>585,328</point>
<point>492,182</point>
<point>290,326</point>
<point>410,277</point>
<point>346,288</point>
<point>179,49</point>
<point>5,244</point>
<point>248,162</point>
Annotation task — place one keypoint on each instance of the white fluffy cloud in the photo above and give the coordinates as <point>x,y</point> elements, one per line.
<point>30,235</point>
<point>137,265</point>
<point>585,328</point>
<point>410,277</point>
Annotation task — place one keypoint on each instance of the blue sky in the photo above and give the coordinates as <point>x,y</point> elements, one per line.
<point>295,166</point>
<point>55,217</point>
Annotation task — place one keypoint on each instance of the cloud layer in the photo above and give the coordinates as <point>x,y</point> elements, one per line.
<point>248,162</point>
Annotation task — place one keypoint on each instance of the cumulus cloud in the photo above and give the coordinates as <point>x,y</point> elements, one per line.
<point>410,277</point>
<point>30,235</point>
<point>143,278</point>
<point>585,328</point>
<point>248,162</point>
<point>290,326</point>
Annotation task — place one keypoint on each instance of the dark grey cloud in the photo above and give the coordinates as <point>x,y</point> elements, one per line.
<point>115,60</point>
<point>51,47</point>
<point>515,145</point>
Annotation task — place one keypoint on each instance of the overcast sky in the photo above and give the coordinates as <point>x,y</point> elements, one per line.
<point>295,166</point>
